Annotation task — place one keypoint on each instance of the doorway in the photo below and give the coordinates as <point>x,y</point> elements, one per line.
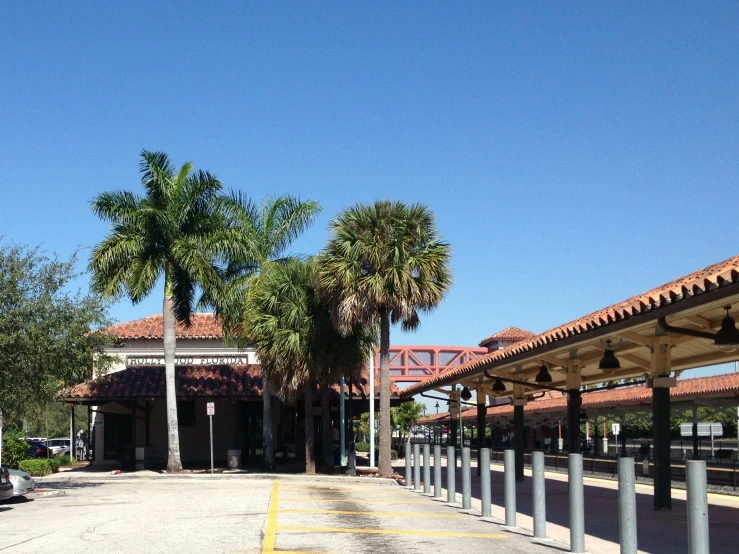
<point>251,434</point>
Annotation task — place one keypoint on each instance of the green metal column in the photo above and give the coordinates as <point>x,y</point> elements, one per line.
<point>518,440</point>
<point>573,421</point>
<point>481,412</point>
<point>661,440</point>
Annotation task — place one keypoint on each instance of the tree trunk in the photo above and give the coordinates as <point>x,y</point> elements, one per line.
<point>269,446</point>
<point>170,337</point>
<point>384,467</point>
<point>310,442</point>
<point>327,431</point>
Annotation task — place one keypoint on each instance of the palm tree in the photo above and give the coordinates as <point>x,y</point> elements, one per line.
<point>268,231</point>
<point>176,231</point>
<point>295,338</point>
<point>384,263</point>
<point>406,417</point>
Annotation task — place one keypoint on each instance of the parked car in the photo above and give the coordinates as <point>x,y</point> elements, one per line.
<point>37,450</point>
<point>6,487</point>
<point>58,447</point>
<point>22,482</point>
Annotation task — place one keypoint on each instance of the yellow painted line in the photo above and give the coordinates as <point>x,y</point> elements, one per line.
<point>351,493</point>
<point>268,545</point>
<point>393,532</point>
<point>390,514</point>
<point>340,487</point>
<point>368,500</point>
<point>716,495</point>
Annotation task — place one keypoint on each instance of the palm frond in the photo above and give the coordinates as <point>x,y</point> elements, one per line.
<point>116,206</point>
<point>157,175</point>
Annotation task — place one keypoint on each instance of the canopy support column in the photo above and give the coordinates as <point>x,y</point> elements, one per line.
<point>574,401</point>
<point>519,401</point>
<point>695,432</point>
<point>661,382</point>
<point>481,413</point>
<point>453,423</point>
<point>573,421</point>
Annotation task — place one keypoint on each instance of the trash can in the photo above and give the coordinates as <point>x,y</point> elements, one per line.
<point>234,459</point>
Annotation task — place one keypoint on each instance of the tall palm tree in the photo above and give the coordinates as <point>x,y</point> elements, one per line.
<point>295,338</point>
<point>175,231</point>
<point>384,264</point>
<point>268,231</point>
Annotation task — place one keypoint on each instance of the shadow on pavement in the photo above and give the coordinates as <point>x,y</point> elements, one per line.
<point>68,484</point>
<point>658,531</point>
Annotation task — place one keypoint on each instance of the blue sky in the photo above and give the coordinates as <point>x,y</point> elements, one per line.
<point>575,154</point>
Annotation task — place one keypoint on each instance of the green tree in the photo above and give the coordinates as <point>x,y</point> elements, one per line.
<point>384,264</point>
<point>407,416</point>
<point>268,232</point>
<point>176,231</point>
<point>294,337</point>
<point>48,334</point>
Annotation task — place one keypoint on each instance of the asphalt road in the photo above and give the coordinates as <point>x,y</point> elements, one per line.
<point>204,514</point>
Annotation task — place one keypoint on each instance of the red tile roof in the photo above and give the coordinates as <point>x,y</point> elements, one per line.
<point>140,382</point>
<point>190,381</point>
<point>723,386</point>
<point>700,282</point>
<point>203,326</point>
<point>509,334</point>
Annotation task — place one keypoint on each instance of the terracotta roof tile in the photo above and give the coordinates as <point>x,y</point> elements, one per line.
<point>508,334</point>
<point>700,282</point>
<point>198,381</point>
<point>138,382</point>
<point>717,385</point>
<point>203,326</point>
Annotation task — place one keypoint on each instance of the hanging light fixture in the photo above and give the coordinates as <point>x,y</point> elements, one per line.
<point>465,394</point>
<point>609,362</point>
<point>499,385</point>
<point>726,339</point>
<point>543,376</point>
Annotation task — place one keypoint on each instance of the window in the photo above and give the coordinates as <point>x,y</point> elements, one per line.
<point>186,413</point>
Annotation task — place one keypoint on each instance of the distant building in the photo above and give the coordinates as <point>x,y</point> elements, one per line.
<point>506,337</point>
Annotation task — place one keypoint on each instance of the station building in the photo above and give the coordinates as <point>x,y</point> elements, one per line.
<point>127,406</point>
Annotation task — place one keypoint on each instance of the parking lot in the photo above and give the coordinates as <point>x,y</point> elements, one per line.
<point>245,514</point>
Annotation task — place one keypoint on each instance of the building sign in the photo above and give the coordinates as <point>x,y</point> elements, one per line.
<point>189,360</point>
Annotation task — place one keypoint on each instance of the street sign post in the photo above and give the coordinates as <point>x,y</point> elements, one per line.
<point>211,410</point>
<point>615,428</point>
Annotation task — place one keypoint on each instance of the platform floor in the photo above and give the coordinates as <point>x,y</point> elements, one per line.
<point>657,531</point>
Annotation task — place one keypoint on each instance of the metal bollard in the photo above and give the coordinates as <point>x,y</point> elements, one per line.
<point>697,485</point>
<point>416,467</point>
<point>426,468</point>
<point>437,471</point>
<point>538,489</point>
<point>627,506</point>
<point>451,484</point>
<point>466,479</point>
<point>577,504</point>
<point>408,474</point>
<point>509,470</point>
<point>485,482</point>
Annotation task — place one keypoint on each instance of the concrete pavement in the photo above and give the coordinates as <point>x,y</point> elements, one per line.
<point>244,513</point>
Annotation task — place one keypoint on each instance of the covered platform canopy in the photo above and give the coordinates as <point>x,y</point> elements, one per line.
<point>717,393</point>
<point>653,336</point>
